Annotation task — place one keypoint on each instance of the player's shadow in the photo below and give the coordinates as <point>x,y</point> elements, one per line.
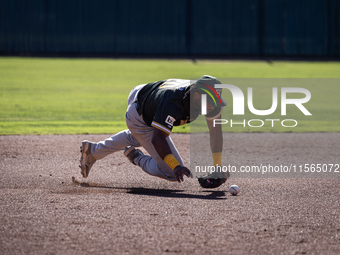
<point>210,195</point>
<point>206,194</point>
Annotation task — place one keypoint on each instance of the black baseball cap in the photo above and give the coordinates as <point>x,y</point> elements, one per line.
<point>206,85</point>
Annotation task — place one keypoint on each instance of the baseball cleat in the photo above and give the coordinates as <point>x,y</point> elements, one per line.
<point>131,153</point>
<point>86,159</point>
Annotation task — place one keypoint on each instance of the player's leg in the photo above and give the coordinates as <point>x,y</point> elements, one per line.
<point>91,152</point>
<point>113,144</point>
<point>118,141</point>
<point>152,164</point>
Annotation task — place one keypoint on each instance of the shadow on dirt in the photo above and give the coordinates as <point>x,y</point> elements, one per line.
<point>214,195</point>
<point>206,194</point>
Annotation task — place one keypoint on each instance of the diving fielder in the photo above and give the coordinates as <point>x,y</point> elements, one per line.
<point>153,110</point>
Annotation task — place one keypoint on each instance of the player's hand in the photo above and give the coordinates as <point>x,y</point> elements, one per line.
<point>179,171</point>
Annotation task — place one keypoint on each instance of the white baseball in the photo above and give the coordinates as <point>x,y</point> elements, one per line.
<point>234,190</point>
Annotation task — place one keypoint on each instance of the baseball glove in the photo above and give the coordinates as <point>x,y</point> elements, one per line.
<point>211,183</point>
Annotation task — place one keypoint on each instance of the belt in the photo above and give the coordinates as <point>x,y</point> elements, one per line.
<point>138,108</point>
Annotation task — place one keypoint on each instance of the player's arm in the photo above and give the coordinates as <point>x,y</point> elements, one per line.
<point>160,143</point>
<point>164,151</point>
<point>216,141</point>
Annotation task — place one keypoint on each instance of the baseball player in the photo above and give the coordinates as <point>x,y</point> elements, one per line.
<point>153,110</point>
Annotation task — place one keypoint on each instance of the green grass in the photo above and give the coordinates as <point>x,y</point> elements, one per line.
<point>78,96</point>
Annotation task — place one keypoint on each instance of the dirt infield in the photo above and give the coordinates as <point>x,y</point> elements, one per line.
<point>119,209</point>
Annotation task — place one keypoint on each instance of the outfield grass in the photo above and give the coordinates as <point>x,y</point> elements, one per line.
<point>78,96</point>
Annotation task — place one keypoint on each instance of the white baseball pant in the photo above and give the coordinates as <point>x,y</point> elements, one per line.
<point>138,134</point>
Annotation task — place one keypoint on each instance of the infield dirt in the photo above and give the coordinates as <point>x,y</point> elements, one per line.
<point>119,209</point>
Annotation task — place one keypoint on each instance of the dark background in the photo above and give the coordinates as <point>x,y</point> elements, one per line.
<point>176,28</point>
